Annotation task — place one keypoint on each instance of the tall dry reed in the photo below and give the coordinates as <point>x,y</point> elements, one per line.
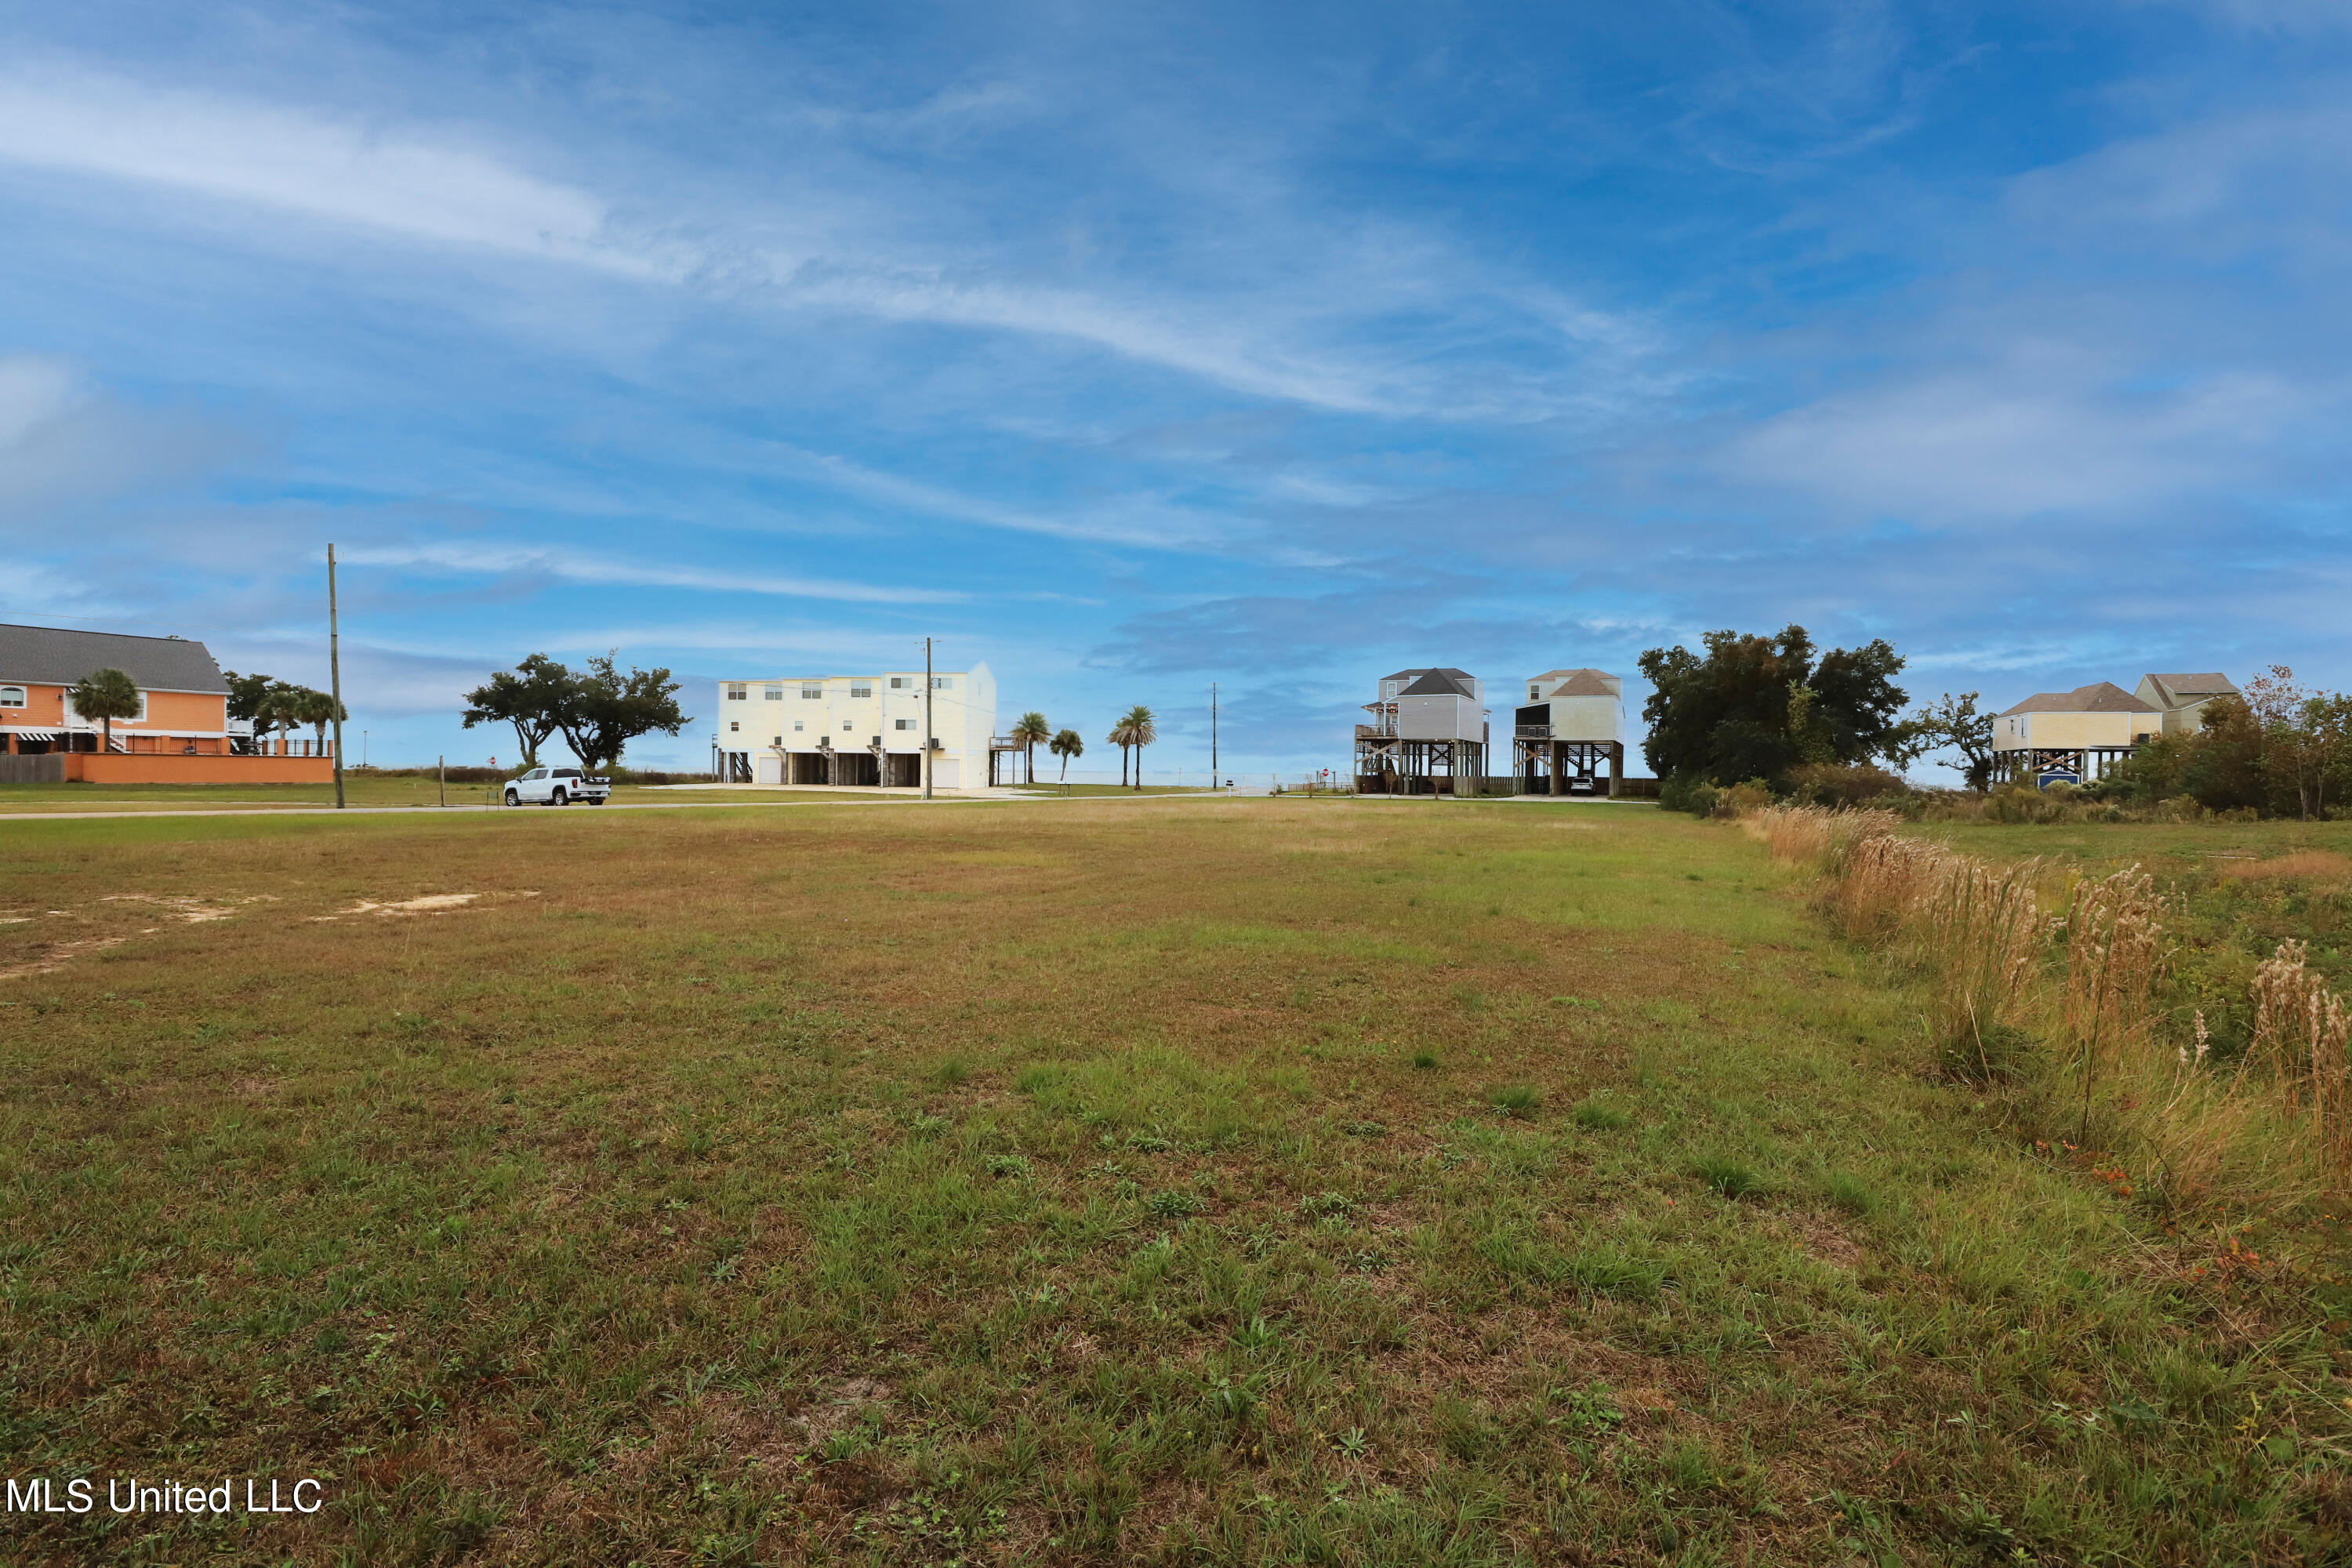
<point>1980,929</point>
<point>2271,1133</point>
<point>2301,1035</point>
<point>2114,956</point>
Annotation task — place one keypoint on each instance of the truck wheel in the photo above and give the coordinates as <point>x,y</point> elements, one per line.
<point>559,798</point>
<point>513,799</point>
<point>595,800</point>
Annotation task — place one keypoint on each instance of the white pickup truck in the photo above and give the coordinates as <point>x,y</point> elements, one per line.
<point>557,786</point>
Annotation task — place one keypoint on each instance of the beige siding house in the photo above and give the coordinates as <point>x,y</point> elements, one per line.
<point>1572,726</point>
<point>2074,736</point>
<point>2182,698</point>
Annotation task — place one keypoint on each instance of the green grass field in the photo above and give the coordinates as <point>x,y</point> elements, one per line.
<point>359,790</point>
<point>1188,1181</point>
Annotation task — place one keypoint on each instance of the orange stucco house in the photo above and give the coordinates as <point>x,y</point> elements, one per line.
<point>182,734</point>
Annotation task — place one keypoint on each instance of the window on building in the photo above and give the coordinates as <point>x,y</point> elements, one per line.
<point>736,693</point>
<point>777,741</point>
<point>906,723</point>
<point>732,726</point>
<point>12,697</point>
<point>796,726</point>
<point>897,682</point>
<point>775,694</point>
<point>812,690</point>
<point>844,723</point>
<point>1533,692</point>
<point>861,692</point>
<point>943,683</point>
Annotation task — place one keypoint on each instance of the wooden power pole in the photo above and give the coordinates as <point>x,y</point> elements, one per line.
<point>335,674</point>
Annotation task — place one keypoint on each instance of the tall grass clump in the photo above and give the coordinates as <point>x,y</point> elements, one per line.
<point>1978,927</point>
<point>1818,832</point>
<point>1878,881</point>
<point>2066,1008</point>
<point>2302,1035</point>
<point>2113,954</point>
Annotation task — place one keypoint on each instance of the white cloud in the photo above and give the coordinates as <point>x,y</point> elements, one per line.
<point>1296,342</point>
<point>335,170</point>
<point>1133,521</point>
<point>578,566</point>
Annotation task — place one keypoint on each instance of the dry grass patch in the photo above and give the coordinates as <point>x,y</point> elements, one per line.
<point>1059,1185</point>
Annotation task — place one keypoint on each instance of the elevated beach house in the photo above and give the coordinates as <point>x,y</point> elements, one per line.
<point>1570,728</point>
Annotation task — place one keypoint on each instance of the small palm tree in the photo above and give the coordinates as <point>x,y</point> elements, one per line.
<point>1067,745</point>
<point>1141,732</point>
<point>1121,737</point>
<point>318,709</point>
<point>279,708</point>
<point>106,695</point>
<point>1032,730</point>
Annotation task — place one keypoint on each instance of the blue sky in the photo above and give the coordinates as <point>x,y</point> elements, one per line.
<point>1131,348</point>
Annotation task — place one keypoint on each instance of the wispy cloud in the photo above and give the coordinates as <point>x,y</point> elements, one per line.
<point>580,566</point>
<point>1137,521</point>
<point>389,178</point>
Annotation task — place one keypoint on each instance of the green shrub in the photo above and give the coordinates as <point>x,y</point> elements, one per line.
<point>1742,799</point>
<point>1695,795</point>
<point>1844,784</point>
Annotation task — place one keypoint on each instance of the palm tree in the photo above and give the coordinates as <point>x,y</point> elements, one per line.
<point>1120,737</point>
<point>1139,727</point>
<point>1067,745</point>
<point>106,695</point>
<point>279,708</point>
<point>318,709</point>
<point>1032,729</point>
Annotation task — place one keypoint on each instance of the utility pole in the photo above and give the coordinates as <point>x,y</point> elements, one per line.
<point>1212,737</point>
<point>926,717</point>
<point>335,674</point>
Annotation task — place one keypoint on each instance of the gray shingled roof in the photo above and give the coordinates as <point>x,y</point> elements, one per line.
<point>1439,683</point>
<point>52,655</point>
<point>2099,697</point>
<point>2213,684</point>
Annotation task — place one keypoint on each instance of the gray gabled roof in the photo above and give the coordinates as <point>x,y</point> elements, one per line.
<point>2099,697</point>
<point>55,656</point>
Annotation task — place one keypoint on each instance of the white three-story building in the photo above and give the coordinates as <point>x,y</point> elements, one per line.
<point>855,729</point>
